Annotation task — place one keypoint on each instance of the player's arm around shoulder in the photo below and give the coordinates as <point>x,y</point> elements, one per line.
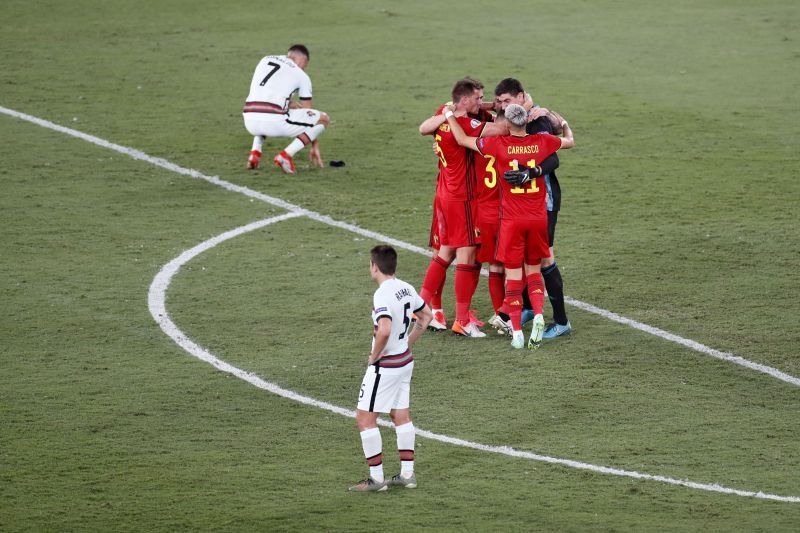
<point>431,124</point>
<point>495,129</point>
<point>458,132</point>
<point>567,138</point>
<point>559,126</point>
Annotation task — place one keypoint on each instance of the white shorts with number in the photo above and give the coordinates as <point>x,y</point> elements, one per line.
<point>292,124</point>
<point>384,389</point>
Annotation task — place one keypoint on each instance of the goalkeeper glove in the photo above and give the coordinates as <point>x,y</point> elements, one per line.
<point>523,175</point>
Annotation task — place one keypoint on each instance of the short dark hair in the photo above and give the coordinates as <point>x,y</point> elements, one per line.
<point>477,83</point>
<point>300,48</point>
<point>509,85</point>
<point>465,87</point>
<point>385,258</point>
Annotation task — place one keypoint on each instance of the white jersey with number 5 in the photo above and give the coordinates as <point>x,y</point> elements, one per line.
<point>397,300</point>
<point>275,80</point>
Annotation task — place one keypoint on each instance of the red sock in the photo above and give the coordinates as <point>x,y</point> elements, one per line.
<point>476,276</point>
<point>464,290</point>
<point>434,279</point>
<point>513,302</point>
<point>536,292</point>
<point>436,298</point>
<point>497,290</point>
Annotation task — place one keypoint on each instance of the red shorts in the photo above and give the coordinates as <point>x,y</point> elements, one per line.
<point>522,241</point>
<point>456,220</point>
<point>489,223</point>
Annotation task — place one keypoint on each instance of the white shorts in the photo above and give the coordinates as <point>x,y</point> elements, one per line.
<point>384,389</point>
<point>294,123</point>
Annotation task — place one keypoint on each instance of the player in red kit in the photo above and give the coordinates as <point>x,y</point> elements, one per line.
<point>459,234</point>
<point>430,127</point>
<point>523,210</point>
<point>488,199</point>
<point>489,222</point>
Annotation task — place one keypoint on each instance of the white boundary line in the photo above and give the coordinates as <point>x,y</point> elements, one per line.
<point>156,301</point>
<point>163,163</point>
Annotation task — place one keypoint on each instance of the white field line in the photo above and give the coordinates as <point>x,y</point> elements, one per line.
<point>157,304</point>
<point>163,163</point>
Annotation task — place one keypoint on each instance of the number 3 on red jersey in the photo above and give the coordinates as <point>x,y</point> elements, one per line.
<point>490,183</point>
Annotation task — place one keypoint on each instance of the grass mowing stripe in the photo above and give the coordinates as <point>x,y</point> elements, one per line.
<point>157,304</point>
<point>163,163</point>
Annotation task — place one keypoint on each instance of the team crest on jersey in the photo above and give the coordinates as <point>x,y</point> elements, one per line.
<point>474,123</point>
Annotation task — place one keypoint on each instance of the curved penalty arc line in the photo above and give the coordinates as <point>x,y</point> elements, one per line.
<point>156,301</point>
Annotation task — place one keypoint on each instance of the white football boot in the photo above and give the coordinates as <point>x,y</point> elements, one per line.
<point>536,333</point>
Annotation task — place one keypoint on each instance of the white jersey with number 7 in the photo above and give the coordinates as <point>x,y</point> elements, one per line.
<point>275,79</point>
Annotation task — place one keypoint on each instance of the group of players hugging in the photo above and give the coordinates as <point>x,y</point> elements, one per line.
<point>497,201</point>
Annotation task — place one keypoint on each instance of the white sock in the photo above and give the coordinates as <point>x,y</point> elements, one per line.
<point>372,445</point>
<point>258,141</point>
<point>294,147</point>
<point>405,446</point>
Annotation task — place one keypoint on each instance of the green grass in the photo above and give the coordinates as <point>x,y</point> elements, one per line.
<point>680,211</point>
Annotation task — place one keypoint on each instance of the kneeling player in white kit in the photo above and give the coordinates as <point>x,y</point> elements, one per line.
<point>387,382</point>
<point>269,111</point>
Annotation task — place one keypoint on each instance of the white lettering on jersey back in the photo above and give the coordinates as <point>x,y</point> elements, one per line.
<point>397,299</point>
<point>275,79</point>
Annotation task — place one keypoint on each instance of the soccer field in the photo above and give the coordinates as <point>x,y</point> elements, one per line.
<point>181,337</point>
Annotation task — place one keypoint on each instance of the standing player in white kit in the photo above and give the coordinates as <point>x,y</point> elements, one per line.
<point>270,112</point>
<point>386,387</point>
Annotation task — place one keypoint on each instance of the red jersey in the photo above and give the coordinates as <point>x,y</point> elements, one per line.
<point>488,194</point>
<point>528,202</point>
<point>457,180</point>
<point>488,190</point>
